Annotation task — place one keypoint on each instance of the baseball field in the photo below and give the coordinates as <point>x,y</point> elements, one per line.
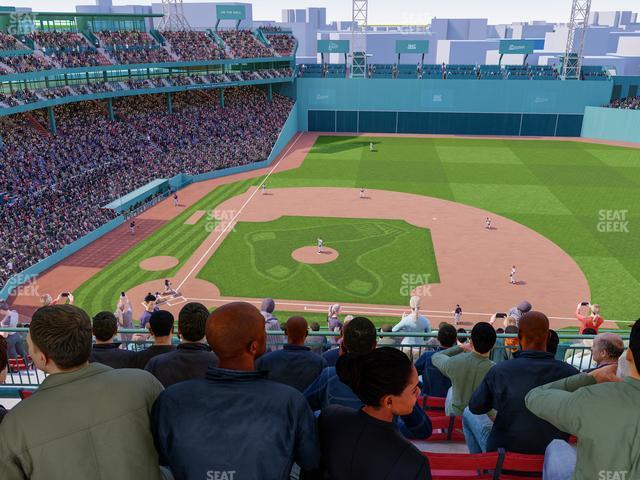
<point>564,212</point>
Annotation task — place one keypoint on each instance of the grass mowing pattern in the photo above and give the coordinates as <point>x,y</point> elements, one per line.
<point>374,257</point>
<point>556,188</point>
<point>559,189</point>
<point>175,239</point>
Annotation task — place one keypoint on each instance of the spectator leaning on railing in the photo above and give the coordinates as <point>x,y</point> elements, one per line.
<point>86,420</point>
<point>602,412</point>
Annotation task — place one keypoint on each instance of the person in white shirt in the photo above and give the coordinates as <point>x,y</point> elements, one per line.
<point>413,322</point>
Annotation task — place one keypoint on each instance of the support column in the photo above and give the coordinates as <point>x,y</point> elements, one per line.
<point>52,120</point>
<point>222,97</point>
<point>112,117</point>
<point>169,102</point>
<point>270,92</point>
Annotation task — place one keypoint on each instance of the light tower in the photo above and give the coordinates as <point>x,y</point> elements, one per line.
<point>572,61</point>
<point>173,18</point>
<point>359,24</point>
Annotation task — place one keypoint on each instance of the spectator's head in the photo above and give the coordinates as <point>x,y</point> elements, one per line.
<point>161,326</point>
<point>633,352</point>
<point>4,308</point>
<point>414,303</point>
<point>296,330</point>
<point>510,321</point>
<point>524,306</point>
<point>533,332</point>
<point>268,305</point>
<point>192,322</point>
<point>447,335</point>
<point>105,327</point>
<point>60,338</point>
<point>483,338</point>
<point>334,310</point>
<point>589,331</point>
<point>236,334</point>
<point>500,330</point>
<point>460,335</point>
<point>552,342</point>
<point>607,348</point>
<point>359,336</point>
<point>4,361</point>
<point>384,379</point>
<point>315,326</point>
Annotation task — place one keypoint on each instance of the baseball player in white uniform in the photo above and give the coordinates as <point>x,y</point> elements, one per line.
<point>512,275</point>
<point>320,245</point>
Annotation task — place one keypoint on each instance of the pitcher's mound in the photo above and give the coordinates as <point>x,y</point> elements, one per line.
<point>311,255</point>
<point>157,264</point>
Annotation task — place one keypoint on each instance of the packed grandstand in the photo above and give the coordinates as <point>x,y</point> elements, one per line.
<point>239,392</point>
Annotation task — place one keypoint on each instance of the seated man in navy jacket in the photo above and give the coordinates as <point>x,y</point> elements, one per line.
<point>105,328</point>
<point>504,388</point>
<point>295,365</point>
<point>434,383</point>
<point>360,337</point>
<point>235,423</point>
<point>192,358</point>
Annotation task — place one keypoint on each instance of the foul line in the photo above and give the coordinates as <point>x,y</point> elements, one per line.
<point>233,220</point>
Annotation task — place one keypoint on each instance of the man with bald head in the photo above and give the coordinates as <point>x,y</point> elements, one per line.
<point>295,365</point>
<point>216,427</point>
<point>606,350</point>
<point>504,388</point>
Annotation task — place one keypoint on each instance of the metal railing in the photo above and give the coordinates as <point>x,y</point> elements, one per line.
<point>572,349</point>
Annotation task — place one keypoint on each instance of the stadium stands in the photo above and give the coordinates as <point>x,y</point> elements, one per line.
<point>191,45</point>
<point>631,103</point>
<point>283,44</point>
<point>243,44</point>
<point>61,182</point>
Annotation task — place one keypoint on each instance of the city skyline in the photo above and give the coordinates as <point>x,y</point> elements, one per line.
<point>400,12</point>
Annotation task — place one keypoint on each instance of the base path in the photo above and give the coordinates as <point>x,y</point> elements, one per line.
<point>473,262</point>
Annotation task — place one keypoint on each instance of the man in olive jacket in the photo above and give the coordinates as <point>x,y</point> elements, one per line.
<point>86,421</point>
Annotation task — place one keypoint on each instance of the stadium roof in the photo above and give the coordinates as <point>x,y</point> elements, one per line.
<point>58,15</point>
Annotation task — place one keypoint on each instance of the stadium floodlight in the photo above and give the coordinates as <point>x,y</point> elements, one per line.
<point>173,16</point>
<point>359,25</point>
<point>572,61</point>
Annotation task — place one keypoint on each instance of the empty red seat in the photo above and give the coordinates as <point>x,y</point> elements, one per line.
<point>456,466</point>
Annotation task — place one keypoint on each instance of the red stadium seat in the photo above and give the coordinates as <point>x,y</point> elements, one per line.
<point>457,466</point>
<point>517,466</point>
<point>435,404</point>
<point>24,393</point>
<point>17,364</point>
<point>449,429</point>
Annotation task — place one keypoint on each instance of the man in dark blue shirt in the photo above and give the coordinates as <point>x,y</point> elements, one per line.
<point>295,365</point>
<point>105,328</point>
<point>236,423</point>
<point>360,336</point>
<point>434,383</point>
<point>504,388</point>
<point>192,358</point>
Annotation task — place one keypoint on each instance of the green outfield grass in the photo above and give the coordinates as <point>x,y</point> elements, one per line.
<point>372,265</point>
<point>569,192</point>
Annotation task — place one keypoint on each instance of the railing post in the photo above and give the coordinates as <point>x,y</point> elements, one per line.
<point>52,120</point>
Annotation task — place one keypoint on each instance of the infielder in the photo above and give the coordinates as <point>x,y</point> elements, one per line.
<point>512,275</point>
<point>487,223</point>
<point>320,245</point>
<point>362,193</point>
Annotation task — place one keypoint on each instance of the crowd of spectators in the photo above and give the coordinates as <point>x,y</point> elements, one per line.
<point>630,103</point>
<point>9,42</point>
<point>28,63</point>
<point>60,182</point>
<point>124,38</point>
<point>193,45</point>
<point>132,55</point>
<point>244,45</point>
<point>366,413</point>
<point>282,44</point>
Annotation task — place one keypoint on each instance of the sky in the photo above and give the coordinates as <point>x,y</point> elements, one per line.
<point>396,11</point>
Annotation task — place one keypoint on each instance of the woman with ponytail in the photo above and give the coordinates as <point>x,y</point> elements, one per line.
<point>366,443</point>
<point>414,322</point>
